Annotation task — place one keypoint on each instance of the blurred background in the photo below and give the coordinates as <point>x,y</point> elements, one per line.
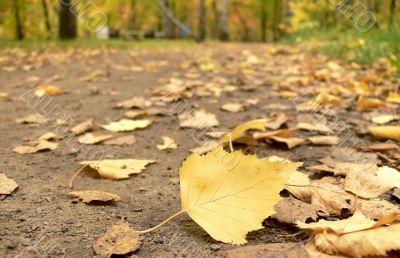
<point>355,30</point>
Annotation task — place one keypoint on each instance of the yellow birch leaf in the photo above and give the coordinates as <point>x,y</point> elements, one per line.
<point>241,129</point>
<point>126,125</point>
<point>386,132</point>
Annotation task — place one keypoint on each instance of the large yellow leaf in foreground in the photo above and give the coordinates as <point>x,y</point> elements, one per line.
<point>230,194</point>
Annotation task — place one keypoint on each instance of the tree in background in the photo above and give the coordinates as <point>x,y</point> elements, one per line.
<point>67,20</point>
<point>202,20</point>
<point>46,17</point>
<point>18,23</point>
<point>224,20</point>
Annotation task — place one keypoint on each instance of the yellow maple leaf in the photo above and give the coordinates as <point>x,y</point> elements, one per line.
<point>230,194</point>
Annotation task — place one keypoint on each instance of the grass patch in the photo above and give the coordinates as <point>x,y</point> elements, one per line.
<point>351,45</point>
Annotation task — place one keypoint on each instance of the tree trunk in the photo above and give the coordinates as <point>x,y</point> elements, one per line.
<point>67,20</point>
<point>392,20</point>
<point>46,17</point>
<point>202,20</point>
<point>224,20</point>
<point>18,24</point>
<point>263,21</point>
<point>168,26</point>
<point>215,29</point>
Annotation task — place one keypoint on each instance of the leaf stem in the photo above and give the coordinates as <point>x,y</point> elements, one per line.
<point>71,181</point>
<point>162,223</point>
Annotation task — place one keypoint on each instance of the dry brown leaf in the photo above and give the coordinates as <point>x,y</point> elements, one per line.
<point>386,132</point>
<point>377,209</point>
<point>169,144</point>
<point>328,99</point>
<point>199,119</point>
<point>389,175</point>
<point>122,140</point>
<point>32,119</point>
<point>118,169</point>
<point>298,184</point>
<point>48,90</point>
<point>135,102</point>
<point>82,127</point>
<point>135,114</point>
<point>94,75</point>
<point>342,168</point>
<point>369,103</point>
<point>324,140</point>
<point>381,147</point>
<point>36,146</point>
<point>232,107</point>
<point>285,133</point>
<point>126,125</point>
<point>216,134</point>
<point>313,127</point>
<point>7,185</point>
<point>95,196</point>
<point>328,195</point>
<point>276,250</point>
<point>288,94</point>
<point>230,194</point>
<point>94,138</point>
<point>48,137</point>
<point>384,119</point>
<point>341,237</point>
<point>206,147</point>
<point>365,185</point>
<point>289,210</point>
<point>4,94</point>
<point>276,122</point>
<point>290,142</point>
<point>120,239</point>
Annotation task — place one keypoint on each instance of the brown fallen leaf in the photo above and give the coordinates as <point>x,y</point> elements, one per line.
<point>384,119</point>
<point>206,147</point>
<point>135,102</point>
<point>380,147</point>
<point>386,132</point>
<point>313,127</point>
<point>95,196</point>
<point>48,137</point>
<point>122,140</point>
<point>289,210</point>
<point>4,94</point>
<point>276,250</point>
<point>216,134</point>
<point>277,121</point>
<point>290,142</point>
<point>324,140</point>
<point>135,114</point>
<point>299,185</point>
<point>389,175</point>
<point>82,127</point>
<point>342,168</point>
<point>284,133</point>
<point>94,75</point>
<point>36,146</point>
<point>94,138</point>
<point>369,103</point>
<point>32,119</point>
<point>7,185</point>
<point>48,90</point>
<point>341,237</point>
<point>232,107</point>
<point>126,125</point>
<point>120,239</point>
<point>365,185</point>
<point>169,144</point>
<point>199,119</point>
<point>377,209</point>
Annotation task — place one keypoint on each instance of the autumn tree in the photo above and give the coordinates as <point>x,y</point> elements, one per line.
<point>224,20</point>
<point>202,20</point>
<point>67,20</point>
<point>18,22</point>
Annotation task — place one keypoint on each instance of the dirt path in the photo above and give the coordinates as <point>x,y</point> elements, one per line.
<point>41,220</point>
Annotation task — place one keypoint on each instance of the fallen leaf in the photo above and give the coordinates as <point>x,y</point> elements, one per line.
<point>82,127</point>
<point>118,169</point>
<point>94,138</point>
<point>393,98</point>
<point>276,122</point>
<point>48,137</point>
<point>285,133</point>
<point>288,94</point>
<point>126,125</point>
<point>276,250</point>
<point>4,94</point>
<point>289,210</point>
<point>377,209</point>
<point>95,196</point>
<point>36,146</point>
<point>135,114</point>
<point>313,127</point>
<point>232,107</point>
<point>120,239</point>
<point>298,184</point>
<point>290,142</point>
<point>48,90</point>
<point>216,134</point>
<point>169,144</point>
<point>386,132</point>
<point>135,102</point>
<point>122,140</point>
<point>242,128</point>
<point>342,168</point>
<point>199,119</point>
<point>328,99</point>
<point>94,75</point>
<point>206,147</point>
<point>7,185</point>
<point>389,175</point>
<point>324,140</point>
<point>230,194</point>
<point>369,103</point>
<point>384,119</point>
<point>365,185</point>
<point>32,119</point>
<point>341,237</point>
<point>381,147</point>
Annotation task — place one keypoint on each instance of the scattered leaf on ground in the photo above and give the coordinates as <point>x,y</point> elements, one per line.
<point>377,209</point>
<point>242,128</point>
<point>324,140</point>
<point>365,185</point>
<point>169,144</point>
<point>135,102</point>
<point>122,140</point>
<point>386,132</point>
<point>36,146</point>
<point>289,210</point>
<point>120,239</point>
<point>48,137</point>
<point>277,121</point>
<point>126,125</point>
<point>48,90</point>
<point>94,138</point>
<point>199,119</point>
<point>290,142</point>
<point>389,175</point>
<point>95,196</point>
<point>82,127</point>
<point>313,127</point>
<point>32,119</point>
<point>232,107</point>
<point>7,185</point>
<point>276,250</point>
<point>135,114</point>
